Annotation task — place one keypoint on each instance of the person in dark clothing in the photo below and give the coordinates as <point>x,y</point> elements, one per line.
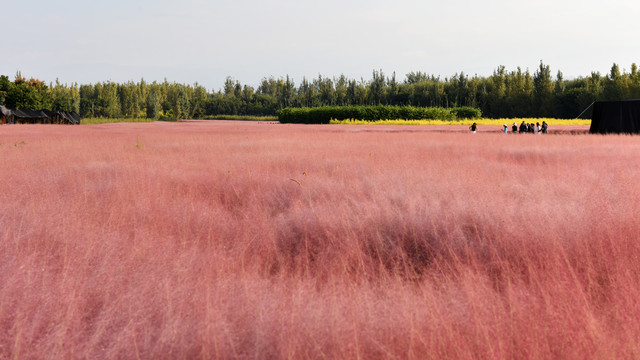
<point>473,128</point>
<point>544,127</point>
<point>523,127</point>
<point>514,128</point>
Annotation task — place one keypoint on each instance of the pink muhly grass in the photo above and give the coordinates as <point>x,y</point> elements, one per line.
<point>233,240</point>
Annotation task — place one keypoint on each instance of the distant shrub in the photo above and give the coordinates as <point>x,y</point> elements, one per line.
<point>104,120</point>
<point>323,115</point>
<point>466,112</point>
<point>241,117</point>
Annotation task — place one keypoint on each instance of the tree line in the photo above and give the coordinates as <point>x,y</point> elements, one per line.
<point>503,94</point>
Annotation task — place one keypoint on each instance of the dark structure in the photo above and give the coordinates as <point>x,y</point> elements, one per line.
<point>5,115</point>
<point>21,116</point>
<point>616,117</point>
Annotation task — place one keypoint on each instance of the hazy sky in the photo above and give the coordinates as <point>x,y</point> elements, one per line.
<point>190,41</point>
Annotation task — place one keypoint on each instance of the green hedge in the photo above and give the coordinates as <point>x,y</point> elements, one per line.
<point>322,115</point>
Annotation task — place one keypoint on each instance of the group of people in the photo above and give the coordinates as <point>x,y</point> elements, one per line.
<point>530,128</point>
<point>524,128</point>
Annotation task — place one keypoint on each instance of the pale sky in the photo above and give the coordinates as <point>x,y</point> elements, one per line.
<point>190,41</point>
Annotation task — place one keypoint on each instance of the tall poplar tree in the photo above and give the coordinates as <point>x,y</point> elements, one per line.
<point>543,104</point>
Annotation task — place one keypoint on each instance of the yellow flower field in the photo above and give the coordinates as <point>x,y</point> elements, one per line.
<point>465,122</point>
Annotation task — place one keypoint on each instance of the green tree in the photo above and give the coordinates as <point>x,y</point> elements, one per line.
<point>108,102</point>
<point>376,88</point>
<point>352,92</point>
<point>341,86</point>
<point>229,87</point>
<point>306,94</point>
<point>130,100</point>
<point>325,90</point>
<point>286,92</point>
<point>496,93</point>
<point>634,82</point>
<point>459,90</point>
<point>416,77</point>
<point>392,90</point>
<point>197,101</point>
<point>615,84</point>
<point>361,92</point>
<point>5,85</point>
<point>268,87</point>
<point>543,104</point>
<point>182,108</point>
<point>26,94</point>
<point>65,98</point>
<point>153,106</point>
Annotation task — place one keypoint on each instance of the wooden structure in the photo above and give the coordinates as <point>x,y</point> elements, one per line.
<point>23,116</point>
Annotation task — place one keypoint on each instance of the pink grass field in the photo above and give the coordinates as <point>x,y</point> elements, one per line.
<point>251,240</point>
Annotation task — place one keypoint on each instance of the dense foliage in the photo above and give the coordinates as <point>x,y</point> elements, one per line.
<point>504,94</point>
<point>323,115</point>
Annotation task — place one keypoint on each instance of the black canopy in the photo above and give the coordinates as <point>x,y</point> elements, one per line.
<point>618,117</point>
